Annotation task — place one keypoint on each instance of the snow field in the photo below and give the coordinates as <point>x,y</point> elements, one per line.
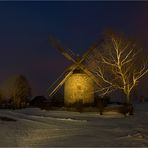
<point>39,128</point>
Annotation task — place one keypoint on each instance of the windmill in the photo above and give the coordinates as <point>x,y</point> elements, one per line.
<point>78,81</point>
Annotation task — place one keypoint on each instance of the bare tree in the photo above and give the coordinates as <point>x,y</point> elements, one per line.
<point>21,91</point>
<point>119,64</point>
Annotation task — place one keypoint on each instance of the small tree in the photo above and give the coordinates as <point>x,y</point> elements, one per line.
<point>119,64</point>
<point>21,92</point>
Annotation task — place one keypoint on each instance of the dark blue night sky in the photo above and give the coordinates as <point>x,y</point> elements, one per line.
<point>26,26</point>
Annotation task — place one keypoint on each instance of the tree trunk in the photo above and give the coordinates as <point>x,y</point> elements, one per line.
<point>129,105</point>
<point>128,101</point>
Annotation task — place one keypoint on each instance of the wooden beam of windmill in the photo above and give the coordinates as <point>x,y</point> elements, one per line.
<point>62,81</point>
<point>84,68</point>
<point>84,56</point>
<point>89,50</point>
<point>57,45</point>
<point>60,84</point>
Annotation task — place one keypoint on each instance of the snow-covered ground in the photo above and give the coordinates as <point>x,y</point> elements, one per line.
<point>35,127</point>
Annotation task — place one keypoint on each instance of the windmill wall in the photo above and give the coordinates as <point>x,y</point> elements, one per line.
<point>78,87</point>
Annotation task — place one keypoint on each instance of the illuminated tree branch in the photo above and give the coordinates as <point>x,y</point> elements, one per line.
<point>118,65</point>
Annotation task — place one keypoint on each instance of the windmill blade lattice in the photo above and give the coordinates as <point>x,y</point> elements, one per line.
<point>60,81</point>
<point>68,54</point>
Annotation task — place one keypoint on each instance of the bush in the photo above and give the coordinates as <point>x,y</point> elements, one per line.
<point>6,104</point>
<point>123,109</point>
<point>38,101</point>
<point>57,100</point>
<point>101,102</point>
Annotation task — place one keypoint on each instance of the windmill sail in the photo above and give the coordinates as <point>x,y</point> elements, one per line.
<point>83,67</point>
<point>60,81</point>
<point>68,54</point>
<point>58,85</point>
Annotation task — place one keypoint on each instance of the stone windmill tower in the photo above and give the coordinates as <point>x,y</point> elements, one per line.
<point>78,81</point>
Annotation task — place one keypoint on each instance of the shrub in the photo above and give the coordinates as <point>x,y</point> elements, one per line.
<point>57,100</point>
<point>38,101</point>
